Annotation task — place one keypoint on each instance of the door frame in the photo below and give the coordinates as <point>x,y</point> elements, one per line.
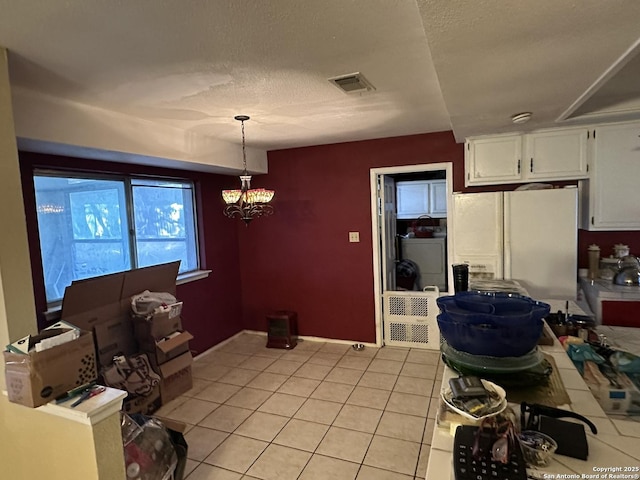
<point>376,231</point>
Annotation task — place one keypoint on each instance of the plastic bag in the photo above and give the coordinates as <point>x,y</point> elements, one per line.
<point>147,303</point>
<point>148,451</point>
<point>581,353</point>
<point>625,362</point>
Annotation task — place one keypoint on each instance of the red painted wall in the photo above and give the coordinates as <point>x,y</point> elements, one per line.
<point>212,308</point>
<point>606,241</point>
<point>300,259</point>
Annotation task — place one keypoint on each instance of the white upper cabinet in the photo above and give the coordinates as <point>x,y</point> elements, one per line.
<point>421,197</point>
<point>492,160</point>
<point>556,155</point>
<point>611,198</point>
<point>438,198</point>
<point>559,154</point>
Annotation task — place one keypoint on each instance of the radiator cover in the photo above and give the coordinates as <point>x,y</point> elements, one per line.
<point>410,319</point>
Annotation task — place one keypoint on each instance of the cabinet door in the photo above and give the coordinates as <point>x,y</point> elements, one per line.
<point>412,199</point>
<point>556,155</point>
<point>614,191</point>
<point>438,199</point>
<point>493,160</point>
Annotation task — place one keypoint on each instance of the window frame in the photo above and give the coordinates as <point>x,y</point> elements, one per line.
<point>129,230</point>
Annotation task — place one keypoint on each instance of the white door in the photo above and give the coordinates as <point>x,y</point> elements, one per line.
<point>384,233</point>
<point>388,225</point>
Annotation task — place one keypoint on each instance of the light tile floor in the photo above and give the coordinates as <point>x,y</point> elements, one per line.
<point>318,411</point>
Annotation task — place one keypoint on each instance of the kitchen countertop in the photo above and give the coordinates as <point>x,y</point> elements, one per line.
<point>615,446</point>
<point>607,290</point>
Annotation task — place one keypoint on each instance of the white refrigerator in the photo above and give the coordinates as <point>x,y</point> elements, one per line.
<point>527,235</point>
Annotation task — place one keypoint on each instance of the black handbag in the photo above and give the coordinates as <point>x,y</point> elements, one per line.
<point>570,436</point>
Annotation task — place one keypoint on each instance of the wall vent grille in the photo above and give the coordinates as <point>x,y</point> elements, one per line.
<point>410,319</point>
<point>352,83</point>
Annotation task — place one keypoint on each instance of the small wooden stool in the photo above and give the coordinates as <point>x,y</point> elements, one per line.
<point>282,329</point>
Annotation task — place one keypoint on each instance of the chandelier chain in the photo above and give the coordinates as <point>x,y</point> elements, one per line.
<point>244,154</point>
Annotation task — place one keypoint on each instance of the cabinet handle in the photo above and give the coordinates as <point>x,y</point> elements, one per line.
<point>531,166</point>
<point>518,166</point>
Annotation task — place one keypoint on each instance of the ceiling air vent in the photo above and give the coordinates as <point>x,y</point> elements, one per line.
<point>352,83</point>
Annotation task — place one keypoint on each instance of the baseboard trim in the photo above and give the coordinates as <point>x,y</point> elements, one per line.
<point>302,338</point>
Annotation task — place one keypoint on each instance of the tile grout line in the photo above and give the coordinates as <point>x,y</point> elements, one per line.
<point>309,396</point>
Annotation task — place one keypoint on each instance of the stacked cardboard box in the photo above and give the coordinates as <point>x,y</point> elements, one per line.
<point>103,305</point>
<point>160,335</point>
<point>101,309</point>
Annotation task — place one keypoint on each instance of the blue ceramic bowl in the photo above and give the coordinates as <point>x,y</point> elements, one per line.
<point>490,338</point>
<point>501,308</point>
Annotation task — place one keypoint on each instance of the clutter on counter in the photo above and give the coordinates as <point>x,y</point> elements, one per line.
<point>35,376</point>
<point>612,375</point>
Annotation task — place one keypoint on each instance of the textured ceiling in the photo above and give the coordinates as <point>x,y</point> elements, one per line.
<point>436,65</point>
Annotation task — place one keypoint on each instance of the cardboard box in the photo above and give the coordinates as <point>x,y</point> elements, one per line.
<point>103,305</point>
<point>159,325</point>
<point>176,377</point>
<point>39,377</point>
<point>166,349</point>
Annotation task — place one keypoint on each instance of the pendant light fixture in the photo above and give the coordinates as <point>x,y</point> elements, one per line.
<point>247,203</point>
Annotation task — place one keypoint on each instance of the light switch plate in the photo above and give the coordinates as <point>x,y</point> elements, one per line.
<point>354,237</point>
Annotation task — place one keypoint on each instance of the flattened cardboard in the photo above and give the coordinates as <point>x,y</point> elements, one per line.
<point>91,301</point>
<point>39,377</point>
<point>176,377</point>
<point>157,278</point>
<point>103,305</point>
<point>167,349</point>
<point>114,337</point>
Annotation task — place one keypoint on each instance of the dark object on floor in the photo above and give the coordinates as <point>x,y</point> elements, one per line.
<point>282,329</point>
<point>407,273</point>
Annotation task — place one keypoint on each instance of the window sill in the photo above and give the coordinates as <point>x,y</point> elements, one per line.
<point>53,313</point>
<point>192,276</point>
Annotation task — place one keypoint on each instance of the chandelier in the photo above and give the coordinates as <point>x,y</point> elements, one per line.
<point>246,202</point>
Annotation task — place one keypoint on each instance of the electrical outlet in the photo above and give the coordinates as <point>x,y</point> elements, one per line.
<point>354,237</point>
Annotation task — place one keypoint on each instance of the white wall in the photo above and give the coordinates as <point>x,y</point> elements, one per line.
<point>91,132</point>
<point>36,444</point>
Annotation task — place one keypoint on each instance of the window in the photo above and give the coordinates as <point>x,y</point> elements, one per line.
<point>96,225</point>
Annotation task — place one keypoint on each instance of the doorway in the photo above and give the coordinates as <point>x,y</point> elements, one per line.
<point>384,234</point>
